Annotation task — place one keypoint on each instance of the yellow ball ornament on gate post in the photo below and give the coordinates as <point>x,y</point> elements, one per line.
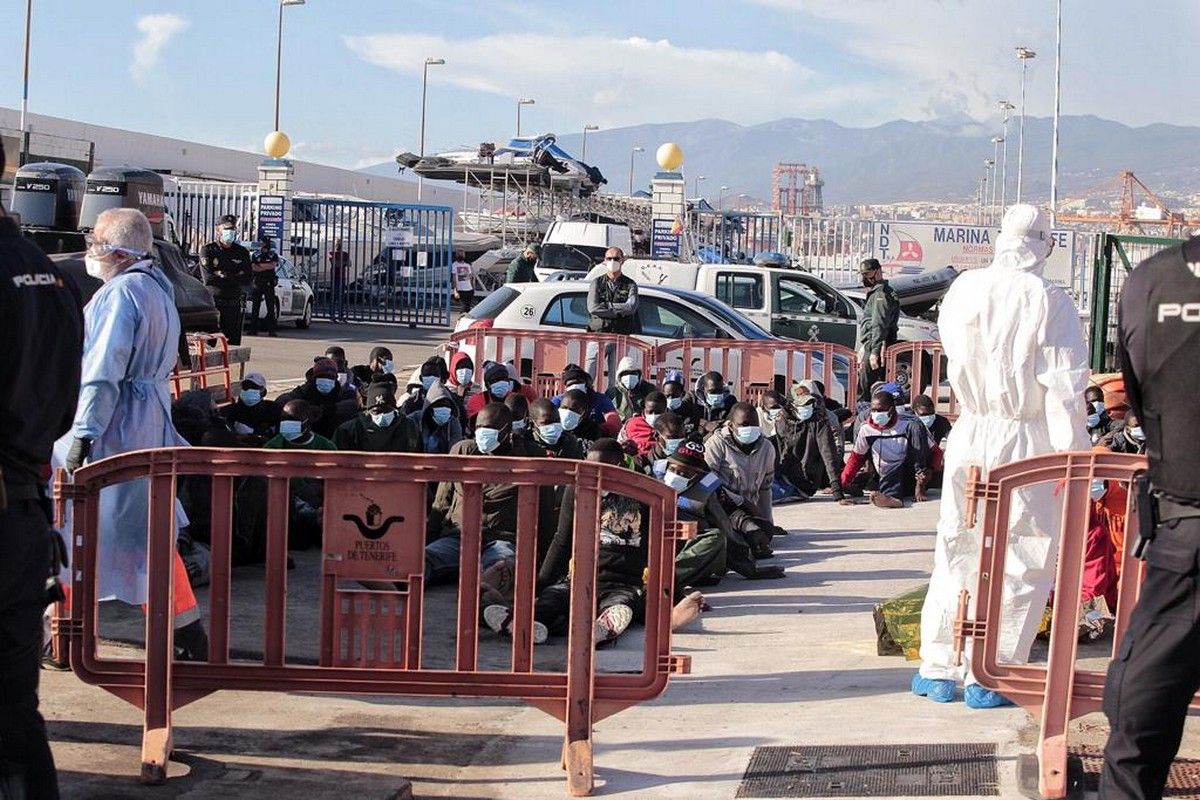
<point>277,144</point>
<point>669,156</point>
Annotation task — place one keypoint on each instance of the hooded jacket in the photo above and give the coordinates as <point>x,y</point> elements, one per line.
<point>640,432</point>
<point>334,408</point>
<point>437,439</point>
<point>628,402</point>
<point>363,435</point>
<point>747,476</point>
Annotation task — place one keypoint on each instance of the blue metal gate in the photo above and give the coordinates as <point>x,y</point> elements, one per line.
<point>375,262</point>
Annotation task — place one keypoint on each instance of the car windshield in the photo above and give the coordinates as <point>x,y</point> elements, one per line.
<point>733,319</point>
<point>494,303</point>
<point>576,257</point>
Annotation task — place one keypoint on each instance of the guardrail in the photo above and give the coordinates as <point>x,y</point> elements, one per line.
<point>921,366</point>
<point>1058,691</point>
<point>370,639</point>
<point>201,348</point>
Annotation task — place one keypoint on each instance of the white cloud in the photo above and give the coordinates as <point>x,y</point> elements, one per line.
<point>611,81</point>
<point>156,30</point>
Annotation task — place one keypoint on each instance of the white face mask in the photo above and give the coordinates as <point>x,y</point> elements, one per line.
<point>94,267</point>
<point>614,266</point>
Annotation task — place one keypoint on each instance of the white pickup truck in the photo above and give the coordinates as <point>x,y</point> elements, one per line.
<point>787,302</point>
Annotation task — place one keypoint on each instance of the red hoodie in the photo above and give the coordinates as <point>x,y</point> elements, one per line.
<point>640,432</point>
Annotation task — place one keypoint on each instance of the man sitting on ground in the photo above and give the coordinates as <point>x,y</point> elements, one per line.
<point>638,432</point>
<point>331,403</point>
<point>598,406</point>
<point>1129,437</point>
<point>573,413</point>
<point>678,401</point>
<point>669,434</point>
<point>252,414</point>
<point>629,392</point>
<point>897,448</point>
<point>745,463</point>
<point>438,422</point>
<point>547,433</point>
<point>306,496</point>
<point>379,428</point>
<point>939,431</point>
<point>714,402</point>
<point>814,461</point>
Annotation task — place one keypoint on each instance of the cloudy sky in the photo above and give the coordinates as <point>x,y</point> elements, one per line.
<point>204,69</point>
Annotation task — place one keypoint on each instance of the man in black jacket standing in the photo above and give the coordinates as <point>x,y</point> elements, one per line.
<point>612,306</point>
<point>42,328</point>
<point>1155,673</point>
<point>226,268</point>
<point>877,328</point>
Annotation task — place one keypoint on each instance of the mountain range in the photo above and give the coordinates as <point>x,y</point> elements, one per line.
<point>935,160</point>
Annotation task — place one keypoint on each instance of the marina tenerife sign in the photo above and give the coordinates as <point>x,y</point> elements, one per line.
<point>909,248</point>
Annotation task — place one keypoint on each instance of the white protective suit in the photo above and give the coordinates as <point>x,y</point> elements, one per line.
<point>1018,364</point>
<point>131,343</point>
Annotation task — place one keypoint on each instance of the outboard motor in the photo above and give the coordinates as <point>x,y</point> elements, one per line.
<point>48,195</point>
<point>124,187</point>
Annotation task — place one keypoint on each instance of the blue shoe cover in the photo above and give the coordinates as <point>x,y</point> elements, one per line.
<point>939,690</point>
<point>975,696</point>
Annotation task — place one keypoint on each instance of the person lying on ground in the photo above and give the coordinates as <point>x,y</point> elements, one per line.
<point>598,407</point>
<point>638,431</point>
<point>898,449</point>
<point>629,392</point>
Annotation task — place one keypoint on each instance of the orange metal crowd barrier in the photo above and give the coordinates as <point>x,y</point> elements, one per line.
<point>201,346</point>
<point>751,368</point>
<point>371,639</point>
<point>540,356</point>
<point>1058,691</point>
<point>921,366</point>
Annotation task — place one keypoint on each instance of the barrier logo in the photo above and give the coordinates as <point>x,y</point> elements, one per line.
<point>372,528</point>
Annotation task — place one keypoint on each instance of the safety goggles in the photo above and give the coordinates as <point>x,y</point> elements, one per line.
<point>99,249</point>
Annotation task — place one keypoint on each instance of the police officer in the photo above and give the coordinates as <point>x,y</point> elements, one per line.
<point>41,326</point>
<point>878,327</point>
<point>225,265</point>
<point>263,265</point>
<point>1156,671</point>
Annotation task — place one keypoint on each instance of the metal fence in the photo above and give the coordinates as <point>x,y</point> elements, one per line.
<point>732,236</point>
<point>197,206</point>
<point>1115,256</point>
<point>829,247</point>
<point>376,262</point>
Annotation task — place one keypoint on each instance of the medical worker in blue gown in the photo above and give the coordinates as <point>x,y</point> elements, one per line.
<point>131,338</point>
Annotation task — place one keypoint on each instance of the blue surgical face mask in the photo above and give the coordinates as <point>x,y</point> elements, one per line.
<point>464,375</point>
<point>519,424</point>
<point>570,419</point>
<point>715,398</point>
<point>747,434</point>
<point>228,236</point>
<point>674,403</point>
<point>1098,406</point>
<point>576,387</point>
<point>487,439</point>
<point>325,385</point>
<point>671,445</point>
<point>676,481</point>
<point>1098,489</point>
<point>291,429</point>
<point>881,418</point>
<point>651,418</point>
<point>1093,420</point>
<point>551,433</point>
<point>804,413</point>
<point>389,366</point>
<point>1137,434</point>
<point>441,415</point>
<point>927,419</point>
<point>251,397</point>
<point>427,381</point>
<point>772,413</point>
<point>631,380</point>
<point>501,389</point>
<point>383,420</point>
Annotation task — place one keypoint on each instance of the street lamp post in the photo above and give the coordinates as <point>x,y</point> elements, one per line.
<point>1007,108</point>
<point>632,153</point>
<point>586,128</point>
<point>1057,86</point>
<point>524,101</point>
<point>988,180</point>
<point>696,185</point>
<point>996,140</point>
<point>25,86</point>
<point>721,198</point>
<point>279,53</point>
<point>429,62</point>
<point>1024,54</point>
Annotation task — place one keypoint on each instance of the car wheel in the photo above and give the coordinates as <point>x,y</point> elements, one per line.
<point>305,319</point>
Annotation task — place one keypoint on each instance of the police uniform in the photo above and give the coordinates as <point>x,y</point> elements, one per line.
<point>264,283</point>
<point>41,325</point>
<point>1157,669</point>
<point>226,270</point>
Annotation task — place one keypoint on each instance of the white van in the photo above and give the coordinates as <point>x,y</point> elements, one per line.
<point>579,246</point>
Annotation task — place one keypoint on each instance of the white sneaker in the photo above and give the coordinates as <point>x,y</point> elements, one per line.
<point>612,622</point>
<point>499,619</point>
